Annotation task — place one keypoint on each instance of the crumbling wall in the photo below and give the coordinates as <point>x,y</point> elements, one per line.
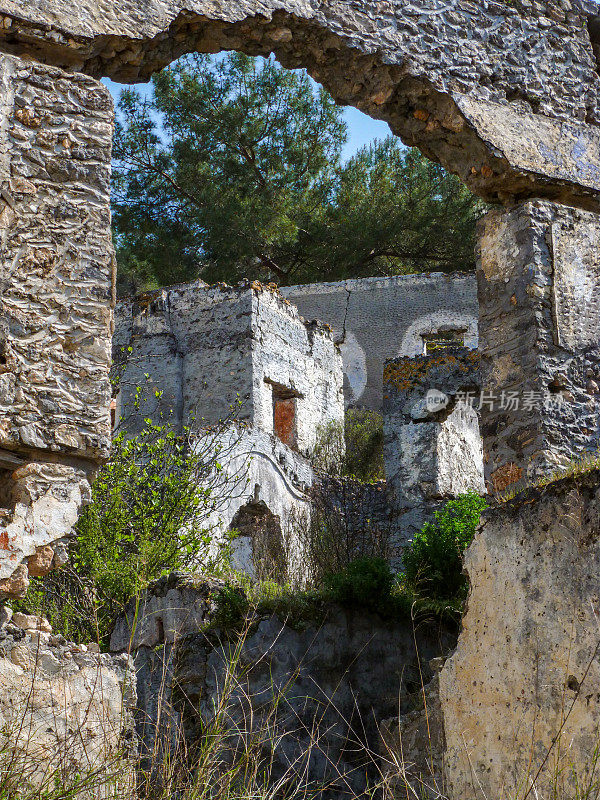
<point>539,289</point>
<point>520,694</point>
<point>376,319</point>
<point>432,445</point>
<point>332,680</point>
<point>199,355</point>
<point>214,351</point>
<point>55,296</point>
<point>65,711</point>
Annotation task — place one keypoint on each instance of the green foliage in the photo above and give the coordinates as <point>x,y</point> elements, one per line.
<point>147,518</point>
<point>363,432</point>
<point>433,561</point>
<point>367,583</point>
<point>233,169</point>
<point>354,451</point>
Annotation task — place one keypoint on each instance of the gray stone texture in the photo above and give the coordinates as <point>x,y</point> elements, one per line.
<point>505,95</point>
<point>432,445</point>
<point>539,287</point>
<point>375,319</point>
<point>64,710</point>
<point>343,675</point>
<point>208,348</point>
<point>526,669</point>
<point>171,608</point>
<point>55,295</point>
<point>56,260</point>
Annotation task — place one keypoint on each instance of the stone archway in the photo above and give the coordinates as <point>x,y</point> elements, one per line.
<point>507,97</point>
<point>476,86</point>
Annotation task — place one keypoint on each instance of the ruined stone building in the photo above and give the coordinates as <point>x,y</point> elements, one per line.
<point>243,356</point>
<point>376,319</point>
<point>504,94</point>
<point>217,352</point>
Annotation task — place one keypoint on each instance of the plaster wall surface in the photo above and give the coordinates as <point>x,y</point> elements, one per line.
<point>526,667</point>
<point>375,319</point>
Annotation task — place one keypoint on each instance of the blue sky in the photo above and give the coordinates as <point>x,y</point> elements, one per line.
<point>361,128</point>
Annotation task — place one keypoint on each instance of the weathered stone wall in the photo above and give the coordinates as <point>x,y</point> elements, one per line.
<point>432,445</point>
<point>55,296</point>
<point>526,669</point>
<point>375,319</point>
<point>65,710</point>
<point>505,95</point>
<point>539,289</point>
<point>209,348</point>
<point>334,681</point>
<point>224,353</point>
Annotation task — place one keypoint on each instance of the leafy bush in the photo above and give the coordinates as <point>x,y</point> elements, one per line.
<point>148,516</point>
<point>433,561</point>
<point>367,583</point>
<point>363,432</point>
<point>356,450</point>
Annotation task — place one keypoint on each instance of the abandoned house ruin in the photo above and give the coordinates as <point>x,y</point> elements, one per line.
<point>504,94</point>
<point>243,357</point>
<point>215,352</point>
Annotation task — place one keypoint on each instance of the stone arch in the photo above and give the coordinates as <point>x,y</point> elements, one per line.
<point>474,86</point>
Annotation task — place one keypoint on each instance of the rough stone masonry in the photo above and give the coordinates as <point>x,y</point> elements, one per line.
<point>503,94</point>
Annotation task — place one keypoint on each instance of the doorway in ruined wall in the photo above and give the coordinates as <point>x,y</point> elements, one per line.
<point>256,525</point>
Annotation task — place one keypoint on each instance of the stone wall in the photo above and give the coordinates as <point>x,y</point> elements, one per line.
<point>214,350</point>
<point>231,356</point>
<point>325,685</point>
<point>539,289</point>
<point>65,711</point>
<point>432,445</point>
<point>506,95</point>
<point>520,694</point>
<point>55,296</point>
<point>375,319</point>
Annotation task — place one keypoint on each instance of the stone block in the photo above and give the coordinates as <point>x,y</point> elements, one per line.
<point>432,445</point>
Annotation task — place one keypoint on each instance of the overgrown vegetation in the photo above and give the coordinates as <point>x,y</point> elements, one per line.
<point>576,467</point>
<point>354,450</point>
<point>433,563</point>
<point>149,515</point>
<point>233,169</point>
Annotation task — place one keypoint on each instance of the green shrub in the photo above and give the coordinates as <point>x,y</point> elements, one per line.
<point>367,583</point>
<point>433,562</point>
<point>354,450</point>
<point>148,517</point>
